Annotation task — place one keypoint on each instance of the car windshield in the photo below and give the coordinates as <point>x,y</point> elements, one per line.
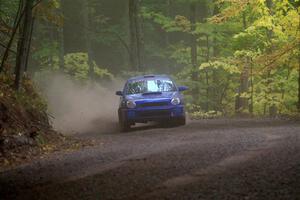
<point>150,85</point>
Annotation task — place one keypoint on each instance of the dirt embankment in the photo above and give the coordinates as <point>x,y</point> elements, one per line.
<point>25,130</point>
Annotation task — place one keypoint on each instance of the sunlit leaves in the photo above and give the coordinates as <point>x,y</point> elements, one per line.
<point>235,8</point>
<point>219,64</point>
<point>48,11</point>
<point>76,65</point>
<point>179,23</point>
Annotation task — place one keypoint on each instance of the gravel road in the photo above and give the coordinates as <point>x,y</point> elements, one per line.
<point>207,159</point>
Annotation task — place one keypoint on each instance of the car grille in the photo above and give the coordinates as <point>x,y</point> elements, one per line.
<point>154,113</point>
<point>153,104</point>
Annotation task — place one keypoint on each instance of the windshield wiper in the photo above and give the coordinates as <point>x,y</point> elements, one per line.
<point>151,93</point>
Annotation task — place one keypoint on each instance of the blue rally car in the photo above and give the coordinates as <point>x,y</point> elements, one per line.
<point>150,98</point>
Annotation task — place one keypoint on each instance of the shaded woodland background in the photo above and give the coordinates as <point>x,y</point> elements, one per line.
<point>236,56</point>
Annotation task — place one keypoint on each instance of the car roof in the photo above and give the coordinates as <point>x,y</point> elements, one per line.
<point>148,76</point>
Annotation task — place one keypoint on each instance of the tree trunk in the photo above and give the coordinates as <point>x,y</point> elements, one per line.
<point>88,37</point>
<point>193,46</point>
<point>194,59</point>
<point>217,92</point>
<point>29,44</point>
<point>168,13</point>
<point>16,25</point>
<point>215,51</point>
<point>299,81</point>
<point>272,107</point>
<point>244,79</point>
<point>61,49</point>
<point>206,74</point>
<point>140,41</point>
<point>242,102</point>
<point>135,36</point>
<point>23,41</point>
<point>251,106</point>
<point>61,40</point>
<point>52,38</point>
<point>299,70</point>
<point>132,35</point>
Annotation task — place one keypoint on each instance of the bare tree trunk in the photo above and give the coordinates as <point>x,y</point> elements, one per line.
<point>88,37</point>
<point>52,38</point>
<point>140,40</point>
<point>286,79</point>
<point>272,107</point>
<point>217,93</point>
<point>215,49</point>
<point>16,25</point>
<point>251,106</point>
<point>132,34</point>
<point>29,44</point>
<point>61,40</point>
<point>23,41</point>
<point>193,46</point>
<point>298,106</point>
<point>242,103</point>
<point>299,82</point>
<point>135,34</point>
<point>61,49</point>
<point>168,13</point>
<point>206,74</point>
<point>194,59</point>
<point>244,79</point>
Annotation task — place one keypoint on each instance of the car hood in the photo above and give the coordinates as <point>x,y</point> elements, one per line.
<point>164,95</point>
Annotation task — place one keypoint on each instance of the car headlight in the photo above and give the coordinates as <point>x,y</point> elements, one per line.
<point>130,104</point>
<point>175,101</point>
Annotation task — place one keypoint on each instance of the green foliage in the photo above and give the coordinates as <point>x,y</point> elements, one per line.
<point>77,66</point>
<point>245,50</point>
<point>179,23</point>
<point>265,51</point>
<point>195,112</point>
<point>225,65</point>
<point>205,115</point>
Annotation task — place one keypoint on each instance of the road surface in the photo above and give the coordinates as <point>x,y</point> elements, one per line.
<point>208,159</point>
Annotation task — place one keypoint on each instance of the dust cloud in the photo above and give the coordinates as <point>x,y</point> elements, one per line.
<point>81,108</point>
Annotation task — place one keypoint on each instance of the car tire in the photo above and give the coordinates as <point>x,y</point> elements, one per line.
<point>180,121</point>
<point>124,125</point>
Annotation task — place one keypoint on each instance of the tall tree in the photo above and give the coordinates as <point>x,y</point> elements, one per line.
<point>136,36</point>
<point>61,38</point>
<point>17,21</point>
<point>28,43</point>
<point>241,100</point>
<point>194,56</point>
<point>298,32</point>
<point>24,39</point>
<point>194,50</point>
<point>270,33</point>
<point>88,27</point>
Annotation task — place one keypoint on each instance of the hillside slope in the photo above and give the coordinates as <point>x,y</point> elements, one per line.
<point>25,130</point>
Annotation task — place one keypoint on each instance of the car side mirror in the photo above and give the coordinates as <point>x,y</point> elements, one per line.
<point>182,88</point>
<point>119,93</point>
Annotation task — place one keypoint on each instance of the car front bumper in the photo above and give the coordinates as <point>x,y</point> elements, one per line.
<point>152,113</point>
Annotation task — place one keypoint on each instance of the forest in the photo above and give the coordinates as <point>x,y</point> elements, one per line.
<point>230,130</point>
<point>238,57</point>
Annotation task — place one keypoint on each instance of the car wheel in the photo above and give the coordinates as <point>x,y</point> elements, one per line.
<point>180,121</point>
<point>124,125</point>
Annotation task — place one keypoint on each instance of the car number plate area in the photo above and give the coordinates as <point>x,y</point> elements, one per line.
<point>154,113</point>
